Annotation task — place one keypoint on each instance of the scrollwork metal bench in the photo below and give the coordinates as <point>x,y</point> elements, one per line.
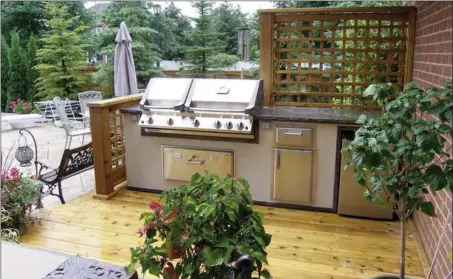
<point>73,162</point>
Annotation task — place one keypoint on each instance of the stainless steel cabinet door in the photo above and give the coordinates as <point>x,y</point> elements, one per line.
<point>293,175</point>
<point>181,163</point>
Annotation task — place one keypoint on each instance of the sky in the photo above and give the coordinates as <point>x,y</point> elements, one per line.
<point>186,6</point>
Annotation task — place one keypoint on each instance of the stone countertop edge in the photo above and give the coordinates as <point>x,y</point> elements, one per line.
<point>297,114</point>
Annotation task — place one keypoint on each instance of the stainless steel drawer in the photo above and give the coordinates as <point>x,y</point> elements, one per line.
<point>294,136</point>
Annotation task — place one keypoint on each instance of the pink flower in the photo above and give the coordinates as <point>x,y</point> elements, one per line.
<point>3,197</point>
<point>19,100</point>
<point>145,229</point>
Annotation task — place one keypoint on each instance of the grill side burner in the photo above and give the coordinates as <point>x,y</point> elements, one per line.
<point>212,107</point>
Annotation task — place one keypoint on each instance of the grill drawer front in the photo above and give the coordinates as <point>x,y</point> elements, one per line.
<point>294,136</point>
<point>180,164</point>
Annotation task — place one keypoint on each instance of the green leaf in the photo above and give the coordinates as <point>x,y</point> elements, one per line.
<point>189,242</point>
<point>260,241</point>
<point>265,273</point>
<point>362,119</point>
<point>435,177</point>
<point>213,258</point>
<point>260,256</point>
<point>428,209</point>
<point>427,141</point>
<point>223,242</point>
<point>267,238</point>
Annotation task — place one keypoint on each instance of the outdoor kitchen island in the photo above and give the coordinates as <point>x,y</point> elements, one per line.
<point>291,163</point>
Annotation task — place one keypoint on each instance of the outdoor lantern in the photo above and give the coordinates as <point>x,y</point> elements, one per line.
<point>156,9</point>
<point>24,154</point>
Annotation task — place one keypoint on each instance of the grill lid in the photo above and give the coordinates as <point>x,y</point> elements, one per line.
<point>223,95</point>
<point>166,93</point>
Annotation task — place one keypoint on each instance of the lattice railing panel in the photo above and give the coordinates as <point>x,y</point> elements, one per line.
<point>328,59</point>
<point>117,139</point>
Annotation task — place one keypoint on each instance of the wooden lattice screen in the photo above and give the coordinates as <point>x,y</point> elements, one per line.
<point>327,57</point>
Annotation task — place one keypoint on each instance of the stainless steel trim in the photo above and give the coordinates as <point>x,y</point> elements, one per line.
<point>214,110</point>
<point>200,133</point>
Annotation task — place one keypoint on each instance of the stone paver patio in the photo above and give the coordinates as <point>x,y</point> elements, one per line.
<point>50,140</point>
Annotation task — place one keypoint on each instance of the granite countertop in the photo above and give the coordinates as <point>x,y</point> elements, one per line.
<point>297,114</point>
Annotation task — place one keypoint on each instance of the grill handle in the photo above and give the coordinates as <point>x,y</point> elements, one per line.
<point>291,132</point>
<point>217,110</point>
<point>195,161</point>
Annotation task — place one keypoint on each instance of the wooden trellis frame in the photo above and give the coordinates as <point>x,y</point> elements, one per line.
<point>327,57</point>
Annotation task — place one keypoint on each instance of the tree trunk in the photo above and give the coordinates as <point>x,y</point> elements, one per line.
<point>403,244</point>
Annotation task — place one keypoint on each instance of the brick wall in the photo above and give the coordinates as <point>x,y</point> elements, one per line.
<point>432,67</point>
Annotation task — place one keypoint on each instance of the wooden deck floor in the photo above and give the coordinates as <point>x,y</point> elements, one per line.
<point>304,244</point>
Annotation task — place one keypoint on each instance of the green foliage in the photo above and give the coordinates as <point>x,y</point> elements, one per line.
<point>222,60</point>
<point>61,56</point>
<point>19,193</point>
<point>204,226</point>
<point>228,20</point>
<point>137,17</point>
<point>25,17</point>
<point>5,74</point>
<point>205,43</point>
<point>180,28</point>
<point>7,234</point>
<point>32,73</point>
<point>17,86</point>
<point>390,163</point>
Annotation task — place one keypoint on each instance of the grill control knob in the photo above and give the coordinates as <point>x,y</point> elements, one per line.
<point>240,125</point>
<point>170,121</point>
<point>150,120</point>
<point>229,125</point>
<point>217,124</point>
<point>196,122</point>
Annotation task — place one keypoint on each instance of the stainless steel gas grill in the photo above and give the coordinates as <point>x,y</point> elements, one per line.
<point>197,108</point>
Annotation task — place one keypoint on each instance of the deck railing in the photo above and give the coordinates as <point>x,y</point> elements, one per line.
<point>107,134</point>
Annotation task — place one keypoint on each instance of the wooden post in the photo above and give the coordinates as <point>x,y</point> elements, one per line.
<point>410,45</point>
<point>266,55</point>
<point>100,134</point>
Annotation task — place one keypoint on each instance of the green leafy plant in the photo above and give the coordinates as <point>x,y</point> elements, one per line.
<point>398,157</point>
<point>19,194</point>
<point>21,107</point>
<point>8,234</point>
<point>204,227</point>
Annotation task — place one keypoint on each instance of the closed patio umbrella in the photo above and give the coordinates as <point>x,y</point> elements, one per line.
<point>125,78</point>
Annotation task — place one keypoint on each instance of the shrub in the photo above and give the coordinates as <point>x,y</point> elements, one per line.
<point>205,226</point>
<point>20,106</point>
<point>19,193</point>
<point>8,234</point>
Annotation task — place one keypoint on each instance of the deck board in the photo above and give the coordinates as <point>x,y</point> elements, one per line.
<point>304,245</point>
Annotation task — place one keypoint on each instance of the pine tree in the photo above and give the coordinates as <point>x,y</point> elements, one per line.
<point>17,86</point>
<point>32,74</point>
<point>137,16</point>
<point>205,44</point>
<point>228,20</point>
<point>5,74</point>
<point>61,56</point>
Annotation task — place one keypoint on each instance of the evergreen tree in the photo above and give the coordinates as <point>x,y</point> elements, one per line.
<point>32,73</point>
<point>17,86</point>
<point>180,32</point>
<point>61,56</point>
<point>5,74</point>
<point>228,20</point>
<point>205,43</point>
<point>137,16</point>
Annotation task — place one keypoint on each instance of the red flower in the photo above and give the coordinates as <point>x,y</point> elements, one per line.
<point>3,197</point>
<point>19,100</point>
<point>145,229</point>
<point>155,205</point>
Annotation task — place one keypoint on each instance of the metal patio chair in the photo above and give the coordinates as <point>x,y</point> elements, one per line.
<point>87,97</point>
<point>71,126</point>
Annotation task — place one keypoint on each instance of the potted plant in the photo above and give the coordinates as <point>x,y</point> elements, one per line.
<point>203,228</point>
<point>26,116</point>
<point>402,157</point>
<point>19,194</point>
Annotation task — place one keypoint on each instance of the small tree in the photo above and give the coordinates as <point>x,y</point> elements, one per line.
<point>17,86</point>
<point>387,160</point>
<point>5,73</point>
<point>61,57</point>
